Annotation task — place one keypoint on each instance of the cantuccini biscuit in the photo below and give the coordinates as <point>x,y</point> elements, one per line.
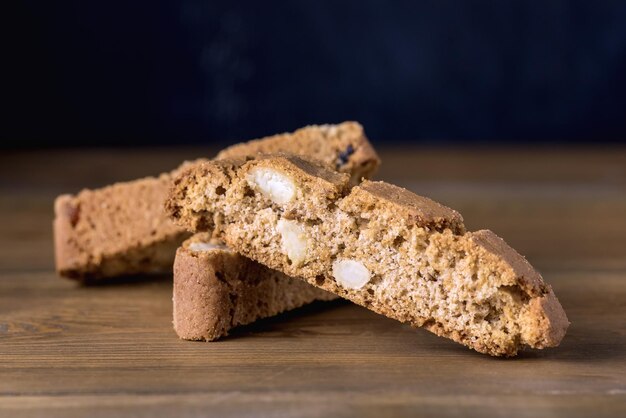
<point>376,244</point>
<point>216,289</point>
<point>122,229</point>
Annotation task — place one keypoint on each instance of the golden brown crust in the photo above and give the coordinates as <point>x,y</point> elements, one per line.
<point>216,290</point>
<point>413,208</point>
<point>200,301</point>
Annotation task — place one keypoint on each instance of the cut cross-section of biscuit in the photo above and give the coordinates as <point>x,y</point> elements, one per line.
<point>378,245</point>
<point>216,289</point>
<point>122,229</point>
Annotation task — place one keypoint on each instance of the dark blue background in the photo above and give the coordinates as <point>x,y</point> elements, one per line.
<point>191,71</point>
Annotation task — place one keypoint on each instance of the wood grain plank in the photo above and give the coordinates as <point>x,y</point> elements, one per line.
<point>117,340</point>
<point>317,404</point>
<point>69,350</point>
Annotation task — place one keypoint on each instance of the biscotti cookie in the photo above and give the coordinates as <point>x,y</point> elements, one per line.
<point>216,289</point>
<point>116,230</point>
<point>122,229</point>
<point>376,244</point>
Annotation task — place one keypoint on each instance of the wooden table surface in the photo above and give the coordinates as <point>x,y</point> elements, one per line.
<point>67,350</point>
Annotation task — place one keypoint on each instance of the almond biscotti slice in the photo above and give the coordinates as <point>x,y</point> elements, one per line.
<point>376,244</point>
<point>123,230</point>
<point>216,289</point>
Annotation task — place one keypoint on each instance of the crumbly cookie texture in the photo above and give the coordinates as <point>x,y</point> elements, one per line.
<point>123,230</point>
<point>376,244</point>
<point>216,289</point>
